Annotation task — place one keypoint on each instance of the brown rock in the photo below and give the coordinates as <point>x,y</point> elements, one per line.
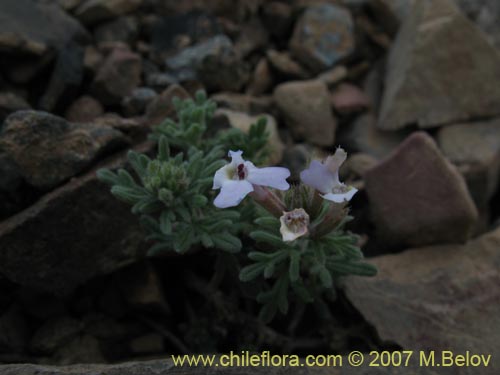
<point>61,236</point>
<point>436,298</point>
<point>161,107</point>
<point>119,74</point>
<point>306,108</point>
<point>333,76</point>
<point>142,289</point>
<point>244,103</point>
<point>152,343</point>
<point>277,17</point>
<point>323,36</point>
<point>348,98</point>
<point>475,148</point>
<point>82,349</point>
<point>441,70</point>
<point>285,65</point>
<point>48,150</point>
<point>418,198</point>
<point>243,121</point>
<point>262,78</point>
<point>84,109</point>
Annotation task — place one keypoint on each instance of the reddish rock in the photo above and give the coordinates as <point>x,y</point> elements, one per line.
<point>306,108</point>
<point>418,198</point>
<point>119,74</point>
<point>84,109</point>
<point>348,98</point>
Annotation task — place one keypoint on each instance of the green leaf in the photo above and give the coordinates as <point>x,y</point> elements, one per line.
<point>267,222</point>
<point>269,270</point>
<point>163,149</point>
<point>294,269</point>
<point>345,268</point>
<point>266,237</point>
<point>252,271</point>
<point>227,242</point>
<point>199,200</point>
<point>108,177</point>
<point>165,223</point>
<point>325,277</point>
<point>302,292</point>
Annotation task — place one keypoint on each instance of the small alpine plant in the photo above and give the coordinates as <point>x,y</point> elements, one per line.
<point>289,240</point>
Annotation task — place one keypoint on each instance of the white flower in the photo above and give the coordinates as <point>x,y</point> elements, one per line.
<point>238,178</point>
<point>294,224</point>
<point>324,177</point>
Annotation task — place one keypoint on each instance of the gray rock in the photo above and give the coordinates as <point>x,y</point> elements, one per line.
<point>418,198</point>
<point>118,75</point>
<point>58,244</point>
<point>436,298</point>
<point>323,36</point>
<point>185,63</point>
<point>485,13</point>
<point>66,78</point>
<point>14,332</point>
<point>306,108</point>
<point>49,150</point>
<point>424,83</point>
<point>32,27</point>
<point>91,12</point>
<point>136,103</point>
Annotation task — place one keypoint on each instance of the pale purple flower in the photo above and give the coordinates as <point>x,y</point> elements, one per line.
<point>238,178</point>
<point>324,177</point>
<point>294,224</point>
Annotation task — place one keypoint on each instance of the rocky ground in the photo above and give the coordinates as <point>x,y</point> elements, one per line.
<point>409,88</point>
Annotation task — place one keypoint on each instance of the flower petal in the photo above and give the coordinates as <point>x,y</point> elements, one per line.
<point>274,177</point>
<point>232,193</point>
<point>319,177</point>
<point>341,197</point>
<point>222,175</point>
<point>236,158</point>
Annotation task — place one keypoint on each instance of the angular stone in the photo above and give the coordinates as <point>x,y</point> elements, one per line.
<point>252,105</point>
<point>485,14</point>
<point>84,109</point>
<point>323,36</point>
<point>49,150</point>
<point>436,298</point>
<point>119,74</point>
<point>475,148</point>
<point>418,198</point>
<point>441,70</point>
<point>32,27</point>
<point>306,108</point>
<point>61,236</point>
<point>91,12</point>
<point>243,121</point>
